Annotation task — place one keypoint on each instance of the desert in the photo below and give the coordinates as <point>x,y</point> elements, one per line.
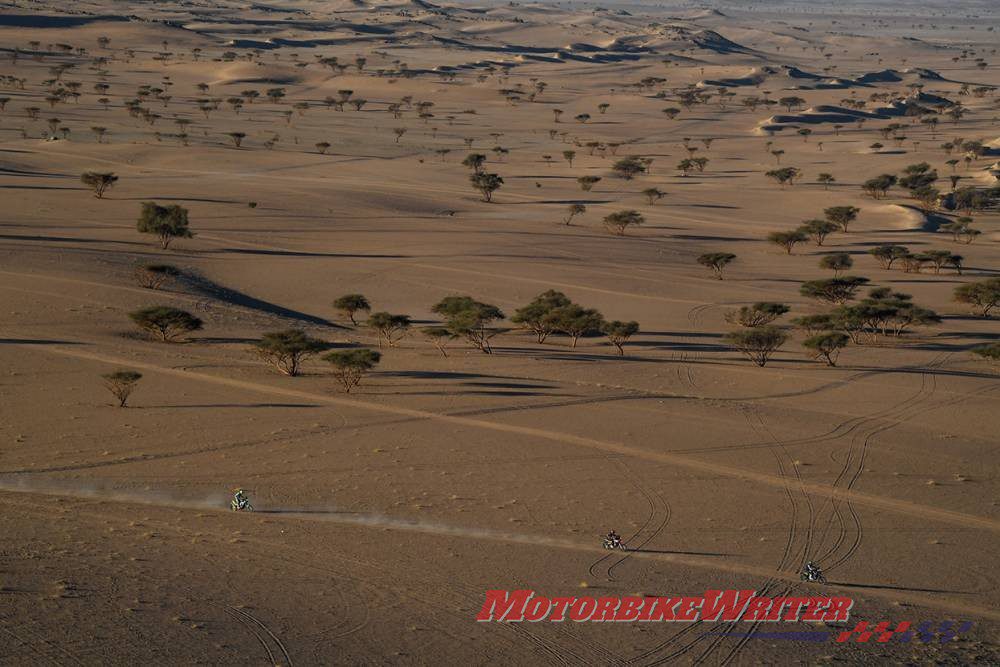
<point>447,293</point>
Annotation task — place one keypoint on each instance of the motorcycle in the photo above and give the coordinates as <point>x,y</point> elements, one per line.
<point>614,544</point>
<point>813,575</point>
<point>240,505</point>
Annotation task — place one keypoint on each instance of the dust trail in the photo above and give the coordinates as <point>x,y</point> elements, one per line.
<point>91,491</point>
<point>220,502</point>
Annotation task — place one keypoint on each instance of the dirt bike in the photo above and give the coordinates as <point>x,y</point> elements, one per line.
<point>614,544</point>
<point>814,576</point>
<point>242,505</point>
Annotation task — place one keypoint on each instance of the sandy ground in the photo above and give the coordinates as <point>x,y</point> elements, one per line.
<point>384,515</point>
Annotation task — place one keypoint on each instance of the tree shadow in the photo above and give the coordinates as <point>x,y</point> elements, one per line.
<point>221,340</point>
<point>64,239</point>
<point>38,187</point>
<point>558,201</point>
<point>204,200</point>
<point>691,347</point>
<point>569,355</point>
<point>6,171</point>
<point>899,588</point>
<point>466,392</point>
<point>283,511</point>
<point>472,378</point>
<point>298,253</point>
<point>225,405</point>
<point>706,237</point>
<point>201,285</point>
<point>683,553</point>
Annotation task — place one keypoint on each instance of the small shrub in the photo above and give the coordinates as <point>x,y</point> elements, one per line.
<point>121,384</point>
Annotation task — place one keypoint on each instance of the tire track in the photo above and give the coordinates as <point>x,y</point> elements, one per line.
<point>247,618</point>
<point>857,454</point>
<point>260,638</point>
<point>756,422</point>
<point>657,505</point>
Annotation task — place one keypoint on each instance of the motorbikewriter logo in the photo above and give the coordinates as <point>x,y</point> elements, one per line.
<point>728,605</point>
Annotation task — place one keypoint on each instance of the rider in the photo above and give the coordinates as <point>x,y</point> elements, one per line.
<point>613,538</point>
<point>239,498</point>
<point>812,570</point>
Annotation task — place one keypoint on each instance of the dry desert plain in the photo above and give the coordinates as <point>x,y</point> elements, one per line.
<point>322,149</point>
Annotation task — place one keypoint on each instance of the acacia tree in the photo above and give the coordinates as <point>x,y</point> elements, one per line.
<point>351,304</point>
<point>628,167</point>
<point>350,366</point>
<point>818,230</point>
<point>439,337</point>
<point>759,314</point>
<point>881,312</point>
<point>814,324</point>
<point>487,184</point>
<point>836,262</point>
<point>574,321</point>
<point>989,351</point>
<point>653,195</point>
<point>155,276</point>
<point>878,187</point>
<point>716,261</point>
<point>99,182</point>
<point>941,258</point>
<point>826,346</point>
<point>961,230</point>
<point>842,215</point>
<point>286,350</point>
<point>533,316</point>
<point>167,222</point>
<point>388,327</point>
<point>121,384</point>
<point>791,102</point>
<point>757,343</point>
<point>587,183</point>
<point>788,240</point>
<point>471,319</point>
<point>621,220</point>
<point>619,332</point>
<point>475,162</point>
<point>887,254</point>
<point>833,290</point>
<point>984,295</point>
<point>237,138</point>
<point>784,176</point>
<point>166,322</point>
<point>574,210</point>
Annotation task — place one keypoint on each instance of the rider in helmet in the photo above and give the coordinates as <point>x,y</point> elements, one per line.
<point>613,537</point>
<point>812,570</point>
<point>239,498</point>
